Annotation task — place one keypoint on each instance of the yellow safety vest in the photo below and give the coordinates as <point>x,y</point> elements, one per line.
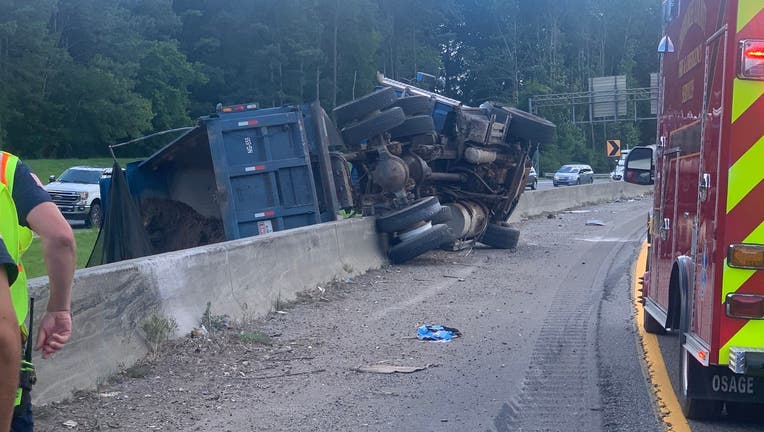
<point>17,238</point>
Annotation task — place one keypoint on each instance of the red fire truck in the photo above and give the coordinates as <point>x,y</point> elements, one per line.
<point>705,272</point>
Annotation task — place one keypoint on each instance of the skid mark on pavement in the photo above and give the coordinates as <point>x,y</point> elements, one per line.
<point>561,378</point>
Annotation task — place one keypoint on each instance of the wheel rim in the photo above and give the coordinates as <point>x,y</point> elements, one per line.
<point>95,215</point>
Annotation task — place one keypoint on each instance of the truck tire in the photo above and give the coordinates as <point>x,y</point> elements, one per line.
<point>416,125</point>
<point>398,220</point>
<point>364,105</point>
<point>375,125</point>
<point>651,325</point>
<point>442,216</point>
<point>425,241</point>
<point>528,126</point>
<point>500,236</point>
<point>95,217</point>
<point>695,409</point>
<point>416,105</point>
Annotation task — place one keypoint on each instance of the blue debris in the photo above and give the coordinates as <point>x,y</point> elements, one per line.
<point>437,333</point>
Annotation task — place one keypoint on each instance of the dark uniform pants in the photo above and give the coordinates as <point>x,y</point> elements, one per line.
<point>22,417</point>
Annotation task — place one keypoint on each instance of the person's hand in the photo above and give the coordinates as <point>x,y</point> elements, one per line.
<point>55,330</point>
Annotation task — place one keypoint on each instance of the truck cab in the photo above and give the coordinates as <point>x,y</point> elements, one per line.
<point>77,193</point>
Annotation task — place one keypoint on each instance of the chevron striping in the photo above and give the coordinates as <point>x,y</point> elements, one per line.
<point>747,130</point>
<point>745,93</point>
<point>747,10</point>
<point>745,174</point>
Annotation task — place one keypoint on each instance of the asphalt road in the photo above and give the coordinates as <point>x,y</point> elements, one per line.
<point>548,340</point>
<point>549,343</point>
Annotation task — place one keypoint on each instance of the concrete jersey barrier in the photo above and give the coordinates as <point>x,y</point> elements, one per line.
<point>240,278</point>
<point>567,197</point>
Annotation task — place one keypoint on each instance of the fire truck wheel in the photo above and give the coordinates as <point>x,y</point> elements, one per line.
<point>415,105</point>
<point>421,210</point>
<point>695,409</point>
<point>372,126</point>
<point>425,241</point>
<point>416,125</point>
<point>500,236</point>
<point>651,325</point>
<point>364,105</point>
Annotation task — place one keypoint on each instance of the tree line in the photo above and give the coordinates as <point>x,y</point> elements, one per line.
<point>78,75</point>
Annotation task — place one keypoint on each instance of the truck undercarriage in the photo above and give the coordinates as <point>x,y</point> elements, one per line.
<point>436,172</point>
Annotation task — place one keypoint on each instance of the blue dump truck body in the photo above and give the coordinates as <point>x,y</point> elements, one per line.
<point>236,174</point>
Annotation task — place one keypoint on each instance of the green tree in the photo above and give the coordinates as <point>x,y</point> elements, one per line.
<point>164,77</point>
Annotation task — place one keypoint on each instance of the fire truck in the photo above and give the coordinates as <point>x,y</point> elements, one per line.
<point>705,273</point>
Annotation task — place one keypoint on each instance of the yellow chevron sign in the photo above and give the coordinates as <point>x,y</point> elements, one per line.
<point>613,148</point>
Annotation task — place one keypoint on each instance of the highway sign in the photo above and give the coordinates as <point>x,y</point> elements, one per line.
<point>613,148</point>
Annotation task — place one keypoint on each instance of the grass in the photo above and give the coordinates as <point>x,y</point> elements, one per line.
<point>85,237</point>
<point>44,168</point>
<point>34,262</point>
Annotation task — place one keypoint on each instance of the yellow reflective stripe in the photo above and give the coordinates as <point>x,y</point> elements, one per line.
<point>734,278</point>
<point>748,336</point>
<point>745,174</point>
<point>744,94</point>
<point>746,10</point>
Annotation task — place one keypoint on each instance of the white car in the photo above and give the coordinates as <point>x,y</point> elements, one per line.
<point>617,173</point>
<point>77,193</point>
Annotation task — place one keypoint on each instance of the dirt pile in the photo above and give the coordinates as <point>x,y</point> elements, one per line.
<point>173,225</point>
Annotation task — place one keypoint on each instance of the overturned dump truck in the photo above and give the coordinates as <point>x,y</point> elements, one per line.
<point>437,173</point>
<point>240,172</point>
<point>434,172</point>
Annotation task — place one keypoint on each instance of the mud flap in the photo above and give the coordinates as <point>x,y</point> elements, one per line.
<point>720,383</point>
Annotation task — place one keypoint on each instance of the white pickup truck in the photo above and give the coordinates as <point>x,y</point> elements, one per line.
<point>77,193</point>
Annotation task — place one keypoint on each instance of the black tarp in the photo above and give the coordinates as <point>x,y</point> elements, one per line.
<point>122,235</point>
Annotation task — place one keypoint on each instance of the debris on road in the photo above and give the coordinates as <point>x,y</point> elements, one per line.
<point>390,369</point>
<point>437,333</point>
<point>595,222</point>
<point>198,332</point>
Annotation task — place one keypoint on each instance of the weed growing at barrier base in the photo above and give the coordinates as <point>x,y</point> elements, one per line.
<point>157,329</point>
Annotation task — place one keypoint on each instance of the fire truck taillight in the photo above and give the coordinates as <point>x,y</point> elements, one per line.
<point>746,306</point>
<point>751,59</point>
<point>748,256</point>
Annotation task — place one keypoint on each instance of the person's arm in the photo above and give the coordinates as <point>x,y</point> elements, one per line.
<point>10,342</point>
<point>58,249</point>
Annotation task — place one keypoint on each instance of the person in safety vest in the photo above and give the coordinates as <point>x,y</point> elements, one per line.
<point>26,207</point>
<point>10,340</point>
